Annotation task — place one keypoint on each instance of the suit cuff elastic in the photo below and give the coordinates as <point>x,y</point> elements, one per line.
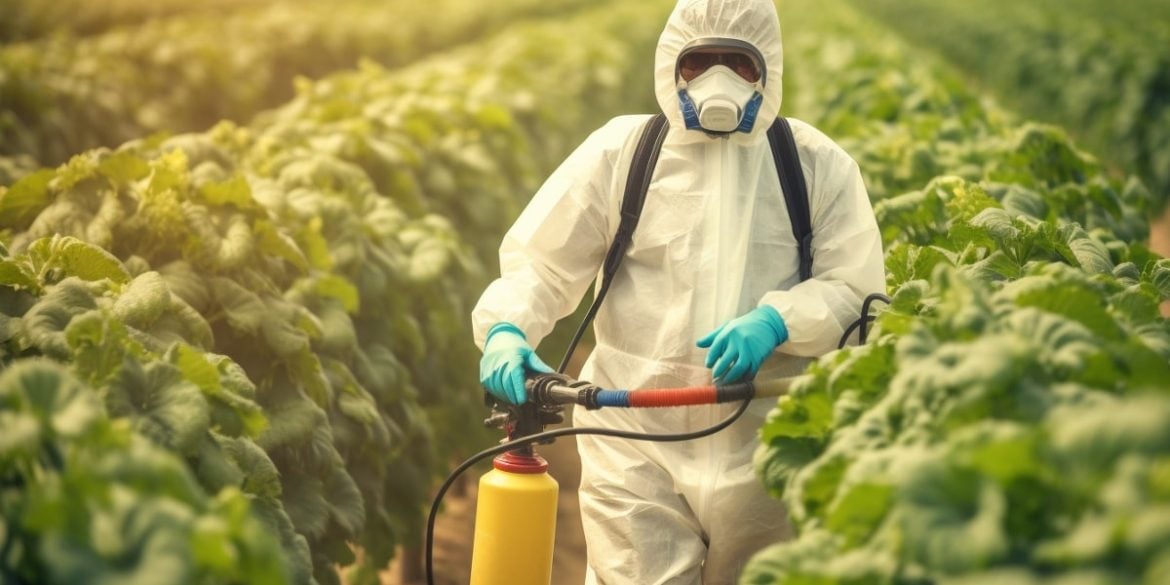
<point>503,326</point>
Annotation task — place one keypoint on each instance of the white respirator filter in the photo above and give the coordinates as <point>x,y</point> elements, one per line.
<point>720,97</point>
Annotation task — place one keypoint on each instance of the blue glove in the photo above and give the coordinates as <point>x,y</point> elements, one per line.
<point>739,346</point>
<point>507,357</point>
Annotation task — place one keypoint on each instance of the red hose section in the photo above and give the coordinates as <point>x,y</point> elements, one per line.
<point>672,396</point>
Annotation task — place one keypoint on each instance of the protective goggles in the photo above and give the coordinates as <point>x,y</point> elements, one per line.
<point>700,55</point>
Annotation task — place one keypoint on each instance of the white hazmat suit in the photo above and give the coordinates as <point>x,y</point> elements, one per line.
<point>714,242</point>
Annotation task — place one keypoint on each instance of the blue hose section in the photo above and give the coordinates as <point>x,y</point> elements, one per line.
<point>613,398</point>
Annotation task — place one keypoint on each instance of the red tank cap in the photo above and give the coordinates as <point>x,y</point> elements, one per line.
<point>519,463</point>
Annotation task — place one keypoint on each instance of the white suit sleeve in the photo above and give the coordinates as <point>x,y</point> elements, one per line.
<point>848,263</point>
<point>555,248</point>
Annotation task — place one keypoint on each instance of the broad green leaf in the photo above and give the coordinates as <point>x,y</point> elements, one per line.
<point>100,345</point>
<point>235,247</point>
<point>45,322</point>
<point>46,390</point>
<point>22,434</point>
<point>817,484</point>
<point>1159,276</point>
<point>212,466</point>
<point>346,506</point>
<point>336,287</point>
<point>20,203</point>
<point>292,422</point>
<point>1003,451</point>
<point>162,405</point>
<point>275,242</point>
<point>1094,438</point>
<point>169,171</point>
<point>226,387</point>
<point>315,245</point>
<point>261,478</point>
<point>338,335</point>
<point>191,326</point>
<point>76,258</point>
<point>211,545</point>
<point>429,259</point>
<point>1092,256</point>
<point>1064,294</point>
<point>191,286</point>
<point>304,501</point>
<point>283,331</point>
<point>123,167</point>
<point>306,369</point>
<point>234,191</point>
<point>1019,200</point>
<point>245,311</point>
<point>1091,540</point>
<point>997,222</point>
<point>18,275</point>
<point>807,413</point>
<point>195,368</point>
<point>858,510</point>
<point>951,519</point>
<point>967,200</point>
<point>143,300</point>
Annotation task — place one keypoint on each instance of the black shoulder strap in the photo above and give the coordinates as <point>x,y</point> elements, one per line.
<point>637,183</point>
<point>795,191</point>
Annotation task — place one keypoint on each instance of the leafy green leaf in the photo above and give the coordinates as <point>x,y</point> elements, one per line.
<point>74,257</point>
<point>275,242</point>
<point>162,405</point>
<point>123,167</point>
<point>46,321</point>
<point>244,309</point>
<point>143,300</point>
<point>20,203</point>
<point>234,191</point>
<point>61,404</point>
<point>336,287</point>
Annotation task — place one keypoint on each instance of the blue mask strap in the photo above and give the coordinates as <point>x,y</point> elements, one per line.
<point>689,112</point>
<point>749,114</point>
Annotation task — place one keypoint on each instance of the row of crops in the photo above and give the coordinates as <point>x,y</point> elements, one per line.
<point>62,95</point>
<point>1009,421</point>
<point>27,20</point>
<point>262,329</point>
<point>242,354</point>
<point>1098,69</point>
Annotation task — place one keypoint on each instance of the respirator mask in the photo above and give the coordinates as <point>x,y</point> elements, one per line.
<point>720,83</point>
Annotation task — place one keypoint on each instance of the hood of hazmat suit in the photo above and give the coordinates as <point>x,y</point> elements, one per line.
<point>713,242</point>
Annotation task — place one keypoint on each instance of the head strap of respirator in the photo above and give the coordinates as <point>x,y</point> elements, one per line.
<point>720,101</point>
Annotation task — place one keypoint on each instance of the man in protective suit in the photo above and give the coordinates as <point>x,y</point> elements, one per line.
<point>709,289</point>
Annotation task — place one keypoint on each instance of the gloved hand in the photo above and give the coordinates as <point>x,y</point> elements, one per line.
<point>507,357</point>
<point>739,346</point>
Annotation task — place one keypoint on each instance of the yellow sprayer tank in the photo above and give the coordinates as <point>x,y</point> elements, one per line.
<point>515,522</point>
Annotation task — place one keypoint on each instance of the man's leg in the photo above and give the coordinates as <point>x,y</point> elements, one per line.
<point>638,528</point>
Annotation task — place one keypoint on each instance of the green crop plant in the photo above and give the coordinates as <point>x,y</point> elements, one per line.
<point>1096,69</point>
<point>1006,422</point>
<point>60,95</point>
<point>283,304</point>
